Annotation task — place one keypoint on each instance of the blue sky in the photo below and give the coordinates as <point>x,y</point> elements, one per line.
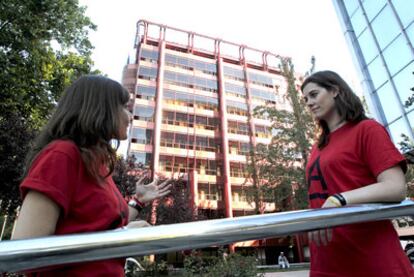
<point>295,28</point>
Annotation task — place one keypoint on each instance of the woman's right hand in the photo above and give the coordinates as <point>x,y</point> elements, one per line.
<point>324,236</point>
<point>320,237</point>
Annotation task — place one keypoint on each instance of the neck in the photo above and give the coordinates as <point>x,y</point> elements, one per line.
<point>336,124</point>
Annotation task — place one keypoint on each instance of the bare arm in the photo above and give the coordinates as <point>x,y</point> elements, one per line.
<point>38,216</point>
<point>132,215</point>
<point>390,187</point>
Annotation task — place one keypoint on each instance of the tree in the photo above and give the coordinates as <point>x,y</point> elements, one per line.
<point>281,165</point>
<point>32,72</point>
<point>126,174</point>
<point>174,208</point>
<point>410,99</point>
<point>407,147</point>
<point>13,131</point>
<point>43,48</point>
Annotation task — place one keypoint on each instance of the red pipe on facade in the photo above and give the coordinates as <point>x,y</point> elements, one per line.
<point>158,109</point>
<point>224,140</point>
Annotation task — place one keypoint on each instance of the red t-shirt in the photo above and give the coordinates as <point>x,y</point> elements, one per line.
<point>355,155</point>
<point>59,173</point>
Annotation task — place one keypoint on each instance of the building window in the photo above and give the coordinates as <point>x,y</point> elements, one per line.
<point>149,55</point>
<point>145,113</point>
<point>351,6</point>
<point>260,79</point>
<point>145,92</point>
<point>142,158</point>
<point>234,74</point>
<point>385,21</point>
<point>373,7</point>
<point>148,73</point>
<point>262,131</point>
<point>389,103</point>
<point>268,96</point>
<point>398,128</point>
<point>359,22</point>
<point>368,47</point>
<point>398,48</point>
<point>209,191</point>
<point>404,80</point>
<point>238,170</point>
<point>141,135</point>
<point>377,72</point>
<point>237,108</point>
<point>404,9</point>
<point>240,128</point>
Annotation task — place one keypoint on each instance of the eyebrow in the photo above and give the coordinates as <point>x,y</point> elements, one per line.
<point>314,90</point>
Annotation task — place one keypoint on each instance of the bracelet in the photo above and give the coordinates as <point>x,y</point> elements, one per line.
<point>136,204</point>
<point>334,201</point>
<point>341,198</point>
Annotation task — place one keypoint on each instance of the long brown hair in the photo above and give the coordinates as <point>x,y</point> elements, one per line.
<point>347,103</point>
<point>89,115</point>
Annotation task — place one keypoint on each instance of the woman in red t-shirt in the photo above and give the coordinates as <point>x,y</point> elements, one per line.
<point>68,186</point>
<point>353,162</point>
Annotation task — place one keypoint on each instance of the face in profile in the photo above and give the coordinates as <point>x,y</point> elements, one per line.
<point>124,120</point>
<point>320,101</point>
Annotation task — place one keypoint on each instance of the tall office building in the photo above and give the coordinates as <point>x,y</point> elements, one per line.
<point>193,111</point>
<point>381,36</point>
<point>193,104</point>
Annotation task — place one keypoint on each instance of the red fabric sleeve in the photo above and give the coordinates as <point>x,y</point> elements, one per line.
<point>379,152</point>
<point>54,174</point>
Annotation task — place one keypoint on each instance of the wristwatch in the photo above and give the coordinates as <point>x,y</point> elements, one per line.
<point>136,204</point>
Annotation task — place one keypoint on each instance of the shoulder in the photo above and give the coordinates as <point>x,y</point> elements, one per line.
<point>369,123</point>
<point>62,147</point>
<point>370,127</point>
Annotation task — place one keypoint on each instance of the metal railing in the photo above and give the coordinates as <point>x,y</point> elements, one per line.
<point>26,254</point>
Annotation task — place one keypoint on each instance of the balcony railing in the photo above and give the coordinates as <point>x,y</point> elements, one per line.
<point>26,254</point>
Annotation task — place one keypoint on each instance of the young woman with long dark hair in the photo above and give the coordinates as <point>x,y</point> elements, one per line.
<point>68,186</point>
<point>352,162</point>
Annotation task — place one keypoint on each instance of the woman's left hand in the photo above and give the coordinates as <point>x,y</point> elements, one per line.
<point>153,190</point>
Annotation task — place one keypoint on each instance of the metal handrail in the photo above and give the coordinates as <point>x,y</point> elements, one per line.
<point>26,254</point>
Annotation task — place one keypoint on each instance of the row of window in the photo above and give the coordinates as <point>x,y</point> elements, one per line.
<point>232,73</point>
<point>185,141</point>
<point>189,120</point>
<point>190,81</point>
<point>191,100</point>
<point>239,148</point>
<point>186,63</point>
<point>185,165</point>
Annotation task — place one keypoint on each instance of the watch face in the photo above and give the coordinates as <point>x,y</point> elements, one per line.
<point>132,203</point>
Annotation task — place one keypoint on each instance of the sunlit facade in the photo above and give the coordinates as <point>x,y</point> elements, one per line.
<point>381,36</point>
<point>193,100</point>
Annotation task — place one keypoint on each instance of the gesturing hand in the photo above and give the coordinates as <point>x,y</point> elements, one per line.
<point>153,190</point>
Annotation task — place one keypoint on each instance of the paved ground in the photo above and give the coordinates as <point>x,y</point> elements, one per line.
<point>299,273</point>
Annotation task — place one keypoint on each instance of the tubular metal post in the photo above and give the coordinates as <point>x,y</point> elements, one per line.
<point>40,252</point>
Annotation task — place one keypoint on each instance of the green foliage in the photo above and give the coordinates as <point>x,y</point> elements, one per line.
<point>410,99</point>
<point>281,165</point>
<point>15,135</point>
<point>43,48</point>
<point>126,174</point>
<point>174,208</point>
<point>410,181</point>
<point>213,266</point>
<point>157,268</point>
<point>32,72</point>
